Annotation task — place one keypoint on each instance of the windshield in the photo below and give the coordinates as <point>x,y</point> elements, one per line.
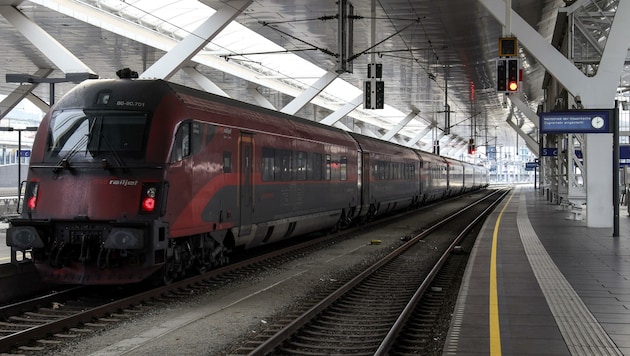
<point>83,135</point>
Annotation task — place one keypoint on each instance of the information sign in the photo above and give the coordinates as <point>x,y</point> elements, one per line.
<point>576,121</point>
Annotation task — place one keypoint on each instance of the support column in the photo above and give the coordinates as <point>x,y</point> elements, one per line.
<point>599,212</point>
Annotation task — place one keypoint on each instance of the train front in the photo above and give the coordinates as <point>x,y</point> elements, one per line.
<point>95,195</point>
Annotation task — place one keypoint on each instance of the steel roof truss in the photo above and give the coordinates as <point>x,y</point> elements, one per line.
<point>45,43</point>
<point>179,55</point>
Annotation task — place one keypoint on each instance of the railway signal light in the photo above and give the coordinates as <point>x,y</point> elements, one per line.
<point>471,146</point>
<point>508,75</point>
<point>513,69</point>
<point>501,75</point>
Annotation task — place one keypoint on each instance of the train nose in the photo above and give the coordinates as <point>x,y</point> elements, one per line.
<point>24,237</point>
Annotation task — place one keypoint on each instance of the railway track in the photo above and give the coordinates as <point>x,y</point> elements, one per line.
<point>37,323</point>
<point>33,326</point>
<point>374,312</point>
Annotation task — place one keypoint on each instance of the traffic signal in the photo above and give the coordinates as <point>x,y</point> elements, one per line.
<point>471,146</point>
<point>508,75</point>
<point>513,69</point>
<point>502,75</point>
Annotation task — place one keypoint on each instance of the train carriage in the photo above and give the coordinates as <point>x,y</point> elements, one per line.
<point>137,179</point>
<point>433,176</point>
<point>457,171</point>
<point>390,179</point>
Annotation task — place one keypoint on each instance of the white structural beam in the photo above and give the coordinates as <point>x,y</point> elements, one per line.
<point>365,130</point>
<point>260,99</point>
<point>45,43</point>
<point>414,140</point>
<point>21,92</point>
<point>343,111</point>
<point>179,55</point>
<point>529,142</point>
<point>525,109</point>
<point>399,126</point>
<point>342,126</point>
<point>203,81</point>
<point>301,100</point>
<point>459,147</point>
<point>37,101</point>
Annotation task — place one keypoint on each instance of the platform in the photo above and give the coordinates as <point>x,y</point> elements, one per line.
<point>541,283</point>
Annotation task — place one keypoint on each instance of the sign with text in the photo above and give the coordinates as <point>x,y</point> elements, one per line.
<point>576,121</point>
<point>530,166</point>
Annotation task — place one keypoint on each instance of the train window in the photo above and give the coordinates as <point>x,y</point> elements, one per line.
<point>268,156</point>
<point>195,138</point>
<point>283,165</point>
<point>181,146</point>
<point>315,166</point>
<point>96,134</point>
<point>344,167</point>
<point>227,162</point>
<point>328,168</point>
<point>300,165</point>
<point>210,132</point>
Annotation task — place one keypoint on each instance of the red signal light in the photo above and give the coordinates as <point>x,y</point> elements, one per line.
<point>148,204</point>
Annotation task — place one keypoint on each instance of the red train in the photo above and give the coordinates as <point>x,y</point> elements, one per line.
<point>131,179</point>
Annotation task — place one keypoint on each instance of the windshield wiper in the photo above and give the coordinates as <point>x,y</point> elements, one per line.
<point>65,161</point>
<point>117,157</point>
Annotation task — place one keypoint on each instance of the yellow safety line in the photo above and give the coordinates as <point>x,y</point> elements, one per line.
<point>495,332</point>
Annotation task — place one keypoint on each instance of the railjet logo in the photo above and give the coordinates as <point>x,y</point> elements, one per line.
<point>123,182</point>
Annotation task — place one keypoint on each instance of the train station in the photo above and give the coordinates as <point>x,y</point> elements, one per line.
<point>150,141</point>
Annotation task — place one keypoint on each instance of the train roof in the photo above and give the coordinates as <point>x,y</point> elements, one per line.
<point>147,94</point>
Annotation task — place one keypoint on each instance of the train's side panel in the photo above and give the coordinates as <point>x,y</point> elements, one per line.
<point>456,176</point>
<point>303,176</point>
<point>391,176</point>
<point>433,176</point>
<point>470,176</point>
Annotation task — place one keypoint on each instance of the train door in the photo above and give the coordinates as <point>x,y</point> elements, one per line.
<point>246,184</point>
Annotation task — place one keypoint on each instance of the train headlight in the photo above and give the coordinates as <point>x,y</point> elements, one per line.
<point>24,238</point>
<point>125,239</point>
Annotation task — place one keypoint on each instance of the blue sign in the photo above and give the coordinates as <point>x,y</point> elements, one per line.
<point>576,121</point>
<point>530,166</point>
<point>24,153</point>
<point>549,152</point>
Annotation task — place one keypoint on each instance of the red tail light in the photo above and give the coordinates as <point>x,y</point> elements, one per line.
<point>148,204</point>
<point>30,195</point>
<point>148,199</point>
<point>32,202</point>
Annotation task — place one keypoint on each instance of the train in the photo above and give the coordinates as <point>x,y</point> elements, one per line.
<point>137,179</point>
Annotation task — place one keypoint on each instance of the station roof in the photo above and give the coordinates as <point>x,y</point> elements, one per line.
<point>438,57</point>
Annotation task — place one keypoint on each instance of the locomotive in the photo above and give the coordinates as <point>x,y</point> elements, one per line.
<point>131,179</point>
